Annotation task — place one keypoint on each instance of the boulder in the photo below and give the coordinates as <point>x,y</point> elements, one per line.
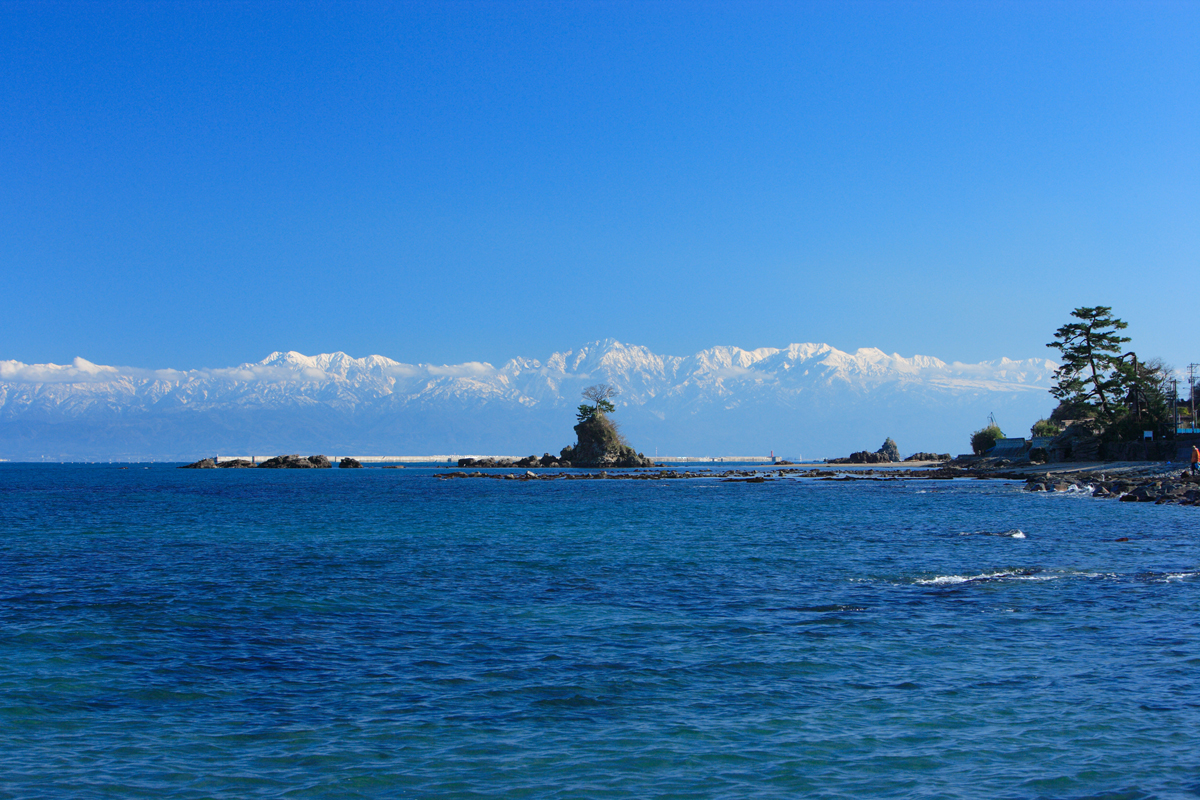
<point>1146,493</point>
<point>237,463</point>
<point>929,457</point>
<point>296,461</point>
<point>349,463</point>
<point>592,455</point>
<point>204,463</point>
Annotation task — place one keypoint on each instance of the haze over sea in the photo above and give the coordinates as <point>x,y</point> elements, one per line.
<point>383,633</point>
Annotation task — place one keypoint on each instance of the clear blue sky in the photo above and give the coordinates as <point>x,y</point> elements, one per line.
<point>198,184</point>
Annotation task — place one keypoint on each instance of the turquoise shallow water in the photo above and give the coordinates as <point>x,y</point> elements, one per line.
<point>380,633</point>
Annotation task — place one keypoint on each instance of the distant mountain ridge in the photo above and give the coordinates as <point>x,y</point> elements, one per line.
<point>803,399</point>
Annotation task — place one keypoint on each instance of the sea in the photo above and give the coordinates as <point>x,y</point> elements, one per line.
<point>383,633</point>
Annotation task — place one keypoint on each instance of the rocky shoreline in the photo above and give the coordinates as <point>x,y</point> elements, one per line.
<point>759,475</point>
<point>1161,483</point>
<point>1171,486</point>
<point>1143,482</point>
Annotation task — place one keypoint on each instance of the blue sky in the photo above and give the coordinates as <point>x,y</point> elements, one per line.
<point>198,184</point>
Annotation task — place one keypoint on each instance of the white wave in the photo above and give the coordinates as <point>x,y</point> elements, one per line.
<point>943,580</point>
<point>1015,533</point>
<point>1074,492</point>
<point>1017,575</point>
<point>1032,575</point>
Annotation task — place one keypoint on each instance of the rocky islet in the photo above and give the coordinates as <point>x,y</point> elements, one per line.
<point>294,461</point>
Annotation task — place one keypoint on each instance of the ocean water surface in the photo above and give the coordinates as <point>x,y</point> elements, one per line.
<point>175,633</point>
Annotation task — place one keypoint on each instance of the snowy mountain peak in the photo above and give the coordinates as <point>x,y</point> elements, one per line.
<point>716,401</point>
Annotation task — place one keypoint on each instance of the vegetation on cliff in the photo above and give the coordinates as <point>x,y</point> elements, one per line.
<point>1045,428</point>
<point>599,442</point>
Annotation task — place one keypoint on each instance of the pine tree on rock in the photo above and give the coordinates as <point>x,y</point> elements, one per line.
<point>599,442</point>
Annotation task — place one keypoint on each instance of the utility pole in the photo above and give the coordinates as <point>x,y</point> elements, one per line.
<point>1175,405</point>
<point>1192,394</point>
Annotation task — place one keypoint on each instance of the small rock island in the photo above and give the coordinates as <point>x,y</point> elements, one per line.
<point>889,453</point>
<point>278,462</point>
<point>599,442</point>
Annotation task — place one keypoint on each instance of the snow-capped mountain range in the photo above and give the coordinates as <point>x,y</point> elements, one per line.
<point>808,400</point>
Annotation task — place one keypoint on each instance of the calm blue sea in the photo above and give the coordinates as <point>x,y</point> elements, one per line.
<point>172,633</point>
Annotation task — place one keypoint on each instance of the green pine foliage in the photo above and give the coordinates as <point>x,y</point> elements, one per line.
<point>1091,376</point>
<point>1121,395</point>
<point>599,442</point>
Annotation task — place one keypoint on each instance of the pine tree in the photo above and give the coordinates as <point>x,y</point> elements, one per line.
<point>1092,374</point>
<point>599,394</point>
